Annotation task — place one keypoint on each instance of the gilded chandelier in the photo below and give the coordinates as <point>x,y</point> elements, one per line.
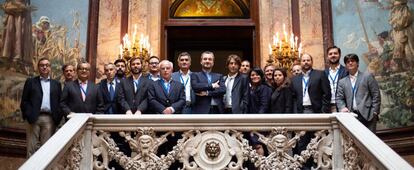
<point>284,51</point>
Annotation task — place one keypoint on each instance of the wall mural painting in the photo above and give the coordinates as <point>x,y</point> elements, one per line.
<point>30,30</point>
<point>381,32</point>
<point>209,8</point>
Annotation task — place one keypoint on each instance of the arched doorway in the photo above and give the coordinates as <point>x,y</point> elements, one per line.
<point>223,35</point>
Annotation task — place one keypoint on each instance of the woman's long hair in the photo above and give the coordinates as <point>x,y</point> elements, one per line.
<point>258,71</point>
<point>286,81</point>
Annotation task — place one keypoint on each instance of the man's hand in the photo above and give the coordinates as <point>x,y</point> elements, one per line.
<point>138,112</point>
<point>167,111</point>
<point>203,93</point>
<point>129,112</point>
<point>344,109</point>
<point>216,84</point>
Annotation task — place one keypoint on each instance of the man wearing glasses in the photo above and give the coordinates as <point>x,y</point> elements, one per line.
<point>154,68</point>
<point>81,95</point>
<point>40,106</point>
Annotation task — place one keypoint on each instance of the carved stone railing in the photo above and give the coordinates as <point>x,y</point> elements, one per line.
<point>337,141</point>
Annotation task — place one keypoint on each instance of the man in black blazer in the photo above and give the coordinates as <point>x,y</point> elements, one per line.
<point>40,106</point>
<point>209,87</point>
<point>311,90</point>
<point>237,87</point>
<point>82,95</point>
<point>133,91</point>
<point>166,96</point>
<point>334,72</point>
<point>109,88</point>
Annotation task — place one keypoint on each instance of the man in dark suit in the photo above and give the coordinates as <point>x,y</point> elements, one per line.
<point>359,93</point>
<point>334,72</point>
<point>237,87</point>
<point>311,94</point>
<point>311,90</point>
<point>166,96</point>
<point>40,106</point>
<point>133,92</point>
<point>209,87</point>
<point>184,76</point>
<point>82,95</point>
<point>109,91</point>
<point>154,68</point>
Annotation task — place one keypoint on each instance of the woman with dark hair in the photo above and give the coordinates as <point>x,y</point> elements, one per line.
<point>281,100</point>
<point>259,92</point>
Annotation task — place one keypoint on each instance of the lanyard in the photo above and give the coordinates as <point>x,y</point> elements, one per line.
<point>165,87</point>
<point>334,79</point>
<point>184,82</point>
<point>354,87</point>
<point>306,85</point>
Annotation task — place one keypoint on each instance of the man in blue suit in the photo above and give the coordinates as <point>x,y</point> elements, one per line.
<point>166,96</point>
<point>237,87</point>
<point>109,88</point>
<point>334,72</point>
<point>184,76</point>
<point>209,87</point>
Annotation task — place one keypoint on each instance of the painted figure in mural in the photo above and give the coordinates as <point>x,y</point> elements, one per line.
<point>41,30</point>
<point>17,42</point>
<point>401,20</point>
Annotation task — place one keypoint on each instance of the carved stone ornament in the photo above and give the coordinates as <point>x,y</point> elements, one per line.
<point>279,146</point>
<point>72,158</point>
<point>145,144</point>
<point>354,158</point>
<point>213,150</point>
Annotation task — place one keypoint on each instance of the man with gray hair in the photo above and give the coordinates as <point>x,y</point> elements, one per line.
<point>184,76</point>
<point>166,96</point>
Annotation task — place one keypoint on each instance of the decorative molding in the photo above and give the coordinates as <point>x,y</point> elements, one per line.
<point>72,157</point>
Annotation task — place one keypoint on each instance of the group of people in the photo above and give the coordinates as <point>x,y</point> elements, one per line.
<point>243,90</point>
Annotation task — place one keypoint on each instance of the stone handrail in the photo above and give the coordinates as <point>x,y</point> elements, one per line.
<point>339,141</point>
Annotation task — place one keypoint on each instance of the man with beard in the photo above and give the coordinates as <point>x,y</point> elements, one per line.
<point>82,95</point>
<point>311,94</point>
<point>120,65</point>
<point>209,87</point>
<point>184,76</point>
<point>133,90</point>
<point>334,72</point>
<point>237,87</point>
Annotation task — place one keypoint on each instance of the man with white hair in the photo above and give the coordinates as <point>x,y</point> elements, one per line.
<point>166,96</point>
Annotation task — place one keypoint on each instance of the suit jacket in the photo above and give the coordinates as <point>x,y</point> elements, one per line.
<point>32,100</point>
<point>259,99</point>
<point>199,82</point>
<point>367,95</point>
<point>281,101</point>
<point>159,99</point>
<point>319,92</point>
<point>176,76</point>
<point>131,100</point>
<point>72,99</point>
<point>239,94</point>
<point>108,103</point>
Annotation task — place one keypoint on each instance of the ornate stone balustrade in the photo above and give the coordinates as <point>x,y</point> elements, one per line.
<point>337,141</point>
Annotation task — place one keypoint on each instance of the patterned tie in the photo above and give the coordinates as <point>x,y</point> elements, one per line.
<point>83,91</point>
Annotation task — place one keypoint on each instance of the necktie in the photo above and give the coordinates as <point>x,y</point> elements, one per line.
<point>83,91</point>
<point>111,91</point>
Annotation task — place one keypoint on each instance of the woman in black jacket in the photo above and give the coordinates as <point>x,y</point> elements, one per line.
<point>281,99</point>
<point>259,92</point>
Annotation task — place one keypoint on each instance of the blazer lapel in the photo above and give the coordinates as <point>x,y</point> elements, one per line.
<point>236,81</point>
<point>89,90</point>
<point>78,90</point>
<point>38,85</point>
<point>105,89</point>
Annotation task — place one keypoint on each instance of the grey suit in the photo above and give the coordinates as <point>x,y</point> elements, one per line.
<point>367,97</point>
<point>72,99</point>
<point>177,77</point>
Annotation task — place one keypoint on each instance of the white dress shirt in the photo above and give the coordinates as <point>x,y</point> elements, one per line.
<point>229,87</point>
<point>306,99</point>
<point>333,81</point>
<point>45,83</point>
